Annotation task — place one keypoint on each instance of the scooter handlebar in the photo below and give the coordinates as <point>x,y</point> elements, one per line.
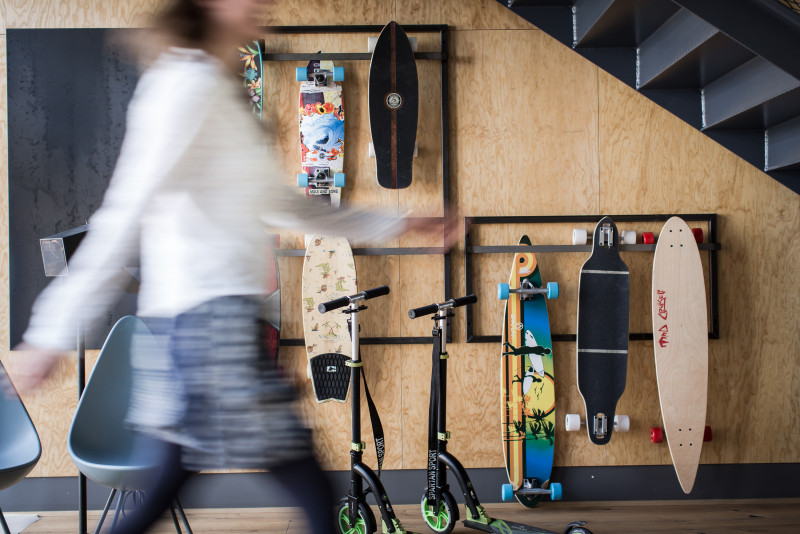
<point>433,308</point>
<point>344,301</point>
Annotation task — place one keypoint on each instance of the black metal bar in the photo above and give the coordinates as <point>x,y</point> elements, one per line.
<point>413,28</point>
<point>410,251</point>
<point>712,247</point>
<point>340,56</point>
<point>391,340</point>
<point>82,499</point>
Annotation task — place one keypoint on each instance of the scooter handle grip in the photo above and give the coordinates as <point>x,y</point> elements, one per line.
<point>333,304</point>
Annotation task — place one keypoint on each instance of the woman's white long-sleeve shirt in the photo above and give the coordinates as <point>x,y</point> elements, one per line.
<point>190,196</point>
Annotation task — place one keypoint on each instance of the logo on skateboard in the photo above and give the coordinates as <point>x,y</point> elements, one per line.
<point>394,101</point>
<point>662,312</point>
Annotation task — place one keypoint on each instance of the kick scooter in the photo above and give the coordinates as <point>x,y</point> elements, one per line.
<point>354,515</point>
<point>439,509</point>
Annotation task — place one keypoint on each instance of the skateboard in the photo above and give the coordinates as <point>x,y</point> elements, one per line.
<point>680,340</point>
<point>329,272</point>
<point>528,382</point>
<point>602,344</point>
<point>321,113</point>
<point>252,67</point>
<point>393,107</point>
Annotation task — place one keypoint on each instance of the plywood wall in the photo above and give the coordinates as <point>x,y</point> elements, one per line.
<point>565,138</point>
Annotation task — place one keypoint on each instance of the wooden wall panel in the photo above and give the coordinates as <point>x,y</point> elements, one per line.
<point>535,129</point>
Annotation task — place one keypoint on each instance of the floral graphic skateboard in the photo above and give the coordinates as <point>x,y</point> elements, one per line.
<point>250,56</point>
<point>329,272</point>
<point>321,113</point>
<point>528,383</point>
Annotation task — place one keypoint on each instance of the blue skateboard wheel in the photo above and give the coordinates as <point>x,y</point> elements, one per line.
<point>338,179</point>
<point>338,74</point>
<point>301,74</point>
<point>555,491</point>
<point>502,291</point>
<point>302,179</point>
<point>552,290</point>
<point>507,492</point>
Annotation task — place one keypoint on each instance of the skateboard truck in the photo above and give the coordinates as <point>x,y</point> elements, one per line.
<point>605,237</point>
<point>528,290</point>
<point>531,487</point>
<point>622,423</point>
<point>600,424</point>
<point>321,178</point>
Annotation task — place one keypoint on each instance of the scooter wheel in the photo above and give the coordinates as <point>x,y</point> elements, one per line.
<point>445,518</point>
<point>365,523</point>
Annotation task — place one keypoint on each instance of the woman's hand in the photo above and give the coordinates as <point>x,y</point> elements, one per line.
<point>34,366</point>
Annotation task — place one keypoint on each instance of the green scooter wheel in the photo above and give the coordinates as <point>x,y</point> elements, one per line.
<point>364,524</point>
<point>445,518</point>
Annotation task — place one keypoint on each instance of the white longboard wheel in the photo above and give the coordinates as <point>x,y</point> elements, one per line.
<point>572,422</point>
<point>416,149</point>
<point>371,150</point>
<point>579,236</point>
<point>371,41</point>
<point>308,370</point>
<point>629,237</point>
<point>622,423</point>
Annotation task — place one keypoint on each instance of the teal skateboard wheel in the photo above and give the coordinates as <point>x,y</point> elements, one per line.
<point>338,74</point>
<point>338,178</point>
<point>502,291</point>
<point>555,491</point>
<point>552,290</point>
<point>301,74</point>
<point>507,492</point>
<point>302,179</point>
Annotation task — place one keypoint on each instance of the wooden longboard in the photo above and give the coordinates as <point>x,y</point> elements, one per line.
<point>603,317</point>
<point>528,383</point>
<point>321,110</point>
<point>393,106</point>
<point>680,338</point>
<point>329,272</point>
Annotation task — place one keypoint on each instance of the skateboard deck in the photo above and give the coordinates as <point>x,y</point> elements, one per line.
<point>602,345</point>
<point>329,272</point>
<point>252,67</point>
<point>680,338</point>
<point>527,377</point>
<point>393,106</point>
<point>321,111</point>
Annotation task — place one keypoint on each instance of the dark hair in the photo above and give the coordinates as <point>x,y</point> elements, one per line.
<point>185,23</point>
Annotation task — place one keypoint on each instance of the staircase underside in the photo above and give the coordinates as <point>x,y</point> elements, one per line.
<point>730,69</point>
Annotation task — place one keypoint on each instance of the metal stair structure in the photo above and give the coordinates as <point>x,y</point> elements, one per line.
<point>730,68</point>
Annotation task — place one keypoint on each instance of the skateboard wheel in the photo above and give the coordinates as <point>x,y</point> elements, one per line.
<point>622,423</point>
<point>502,291</point>
<point>698,234</point>
<point>648,238</point>
<point>338,179</point>
<point>338,74</point>
<point>371,150</point>
<point>555,491</point>
<point>656,434</point>
<point>308,370</point>
<point>416,149</point>
<point>552,290</point>
<point>302,179</point>
<point>707,435</point>
<point>579,237</point>
<point>572,422</point>
<point>506,492</point>
<point>371,41</point>
<point>301,74</point>
<point>629,237</point>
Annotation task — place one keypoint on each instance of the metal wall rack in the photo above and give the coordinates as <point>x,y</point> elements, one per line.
<point>712,247</point>
<point>440,56</point>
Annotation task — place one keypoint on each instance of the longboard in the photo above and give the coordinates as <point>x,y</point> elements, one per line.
<point>528,381</point>
<point>680,340</point>
<point>329,272</point>
<point>393,106</point>
<point>321,112</point>
<point>252,67</point>
<point>602,337</point>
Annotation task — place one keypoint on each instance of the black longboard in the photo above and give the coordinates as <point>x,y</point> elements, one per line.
<point>393,106</point>
<point>603,315</point>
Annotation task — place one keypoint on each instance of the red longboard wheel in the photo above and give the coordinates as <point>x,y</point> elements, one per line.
<point>648,238</point>
<point>698,234</point>
<point>707,435</point>
<point>656,434</point>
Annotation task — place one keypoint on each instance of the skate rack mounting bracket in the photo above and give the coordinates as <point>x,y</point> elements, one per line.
<point>711,247</point>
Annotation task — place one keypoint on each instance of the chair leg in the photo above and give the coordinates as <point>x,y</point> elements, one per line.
<point>175,519</point>
<point>117,510</point>
<point>183,516</point>
<point>3,520</point>
<point>105,510</point>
